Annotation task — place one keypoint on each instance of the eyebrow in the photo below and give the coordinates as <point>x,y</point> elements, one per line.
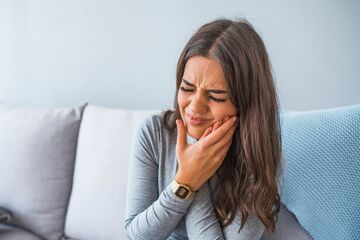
<point>209,90</point>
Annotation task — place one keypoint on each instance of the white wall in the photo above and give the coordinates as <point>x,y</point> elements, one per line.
<point>124,53</point>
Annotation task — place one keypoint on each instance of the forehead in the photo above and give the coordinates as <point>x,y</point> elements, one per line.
<point>204,72</point>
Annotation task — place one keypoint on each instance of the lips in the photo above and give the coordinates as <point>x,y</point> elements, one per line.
<point>195,121</point>
<point>196,118</point>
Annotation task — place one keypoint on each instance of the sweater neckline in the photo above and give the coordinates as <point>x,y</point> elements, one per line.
<point>190,139</point>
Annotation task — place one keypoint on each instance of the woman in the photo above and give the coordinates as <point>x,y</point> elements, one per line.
<point>197,172</point>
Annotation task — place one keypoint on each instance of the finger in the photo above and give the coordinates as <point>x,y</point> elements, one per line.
<point>181,135</point>
<point>221,156</point>
<point>206,133</point>
<point>217,124</point>
<point>220,132</point>
<point>226,140</point>
<point>223,146</point>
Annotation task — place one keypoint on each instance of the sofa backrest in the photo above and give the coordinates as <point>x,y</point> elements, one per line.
<point>57,179</point>
<point>97,204</point>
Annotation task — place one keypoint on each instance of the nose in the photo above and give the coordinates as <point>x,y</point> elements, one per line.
<point>198,104</point>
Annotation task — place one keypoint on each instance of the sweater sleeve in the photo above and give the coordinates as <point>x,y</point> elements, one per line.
<point>149,214</point>
<point>202,222</point>
<point>253,228</point>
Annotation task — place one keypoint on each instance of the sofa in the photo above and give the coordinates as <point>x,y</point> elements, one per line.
<point>63,172</point>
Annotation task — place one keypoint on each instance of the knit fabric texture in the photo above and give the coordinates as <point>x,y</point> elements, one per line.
<point>322,171</point>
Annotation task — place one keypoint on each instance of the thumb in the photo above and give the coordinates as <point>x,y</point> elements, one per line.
<point>181,135</point>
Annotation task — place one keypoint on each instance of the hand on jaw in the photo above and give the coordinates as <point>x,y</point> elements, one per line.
<point>199,161</point>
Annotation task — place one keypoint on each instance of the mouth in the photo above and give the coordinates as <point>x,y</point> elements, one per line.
<point>195,121</point>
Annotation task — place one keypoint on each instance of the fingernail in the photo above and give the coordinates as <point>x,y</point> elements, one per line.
<point>233,119</point>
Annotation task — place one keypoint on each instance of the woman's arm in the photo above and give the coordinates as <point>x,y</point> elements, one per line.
<point>253,228</point>
<point>202,222</point>
<point>149,215</point>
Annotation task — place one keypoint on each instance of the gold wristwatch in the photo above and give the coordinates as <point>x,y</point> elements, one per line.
<point>183,191</point>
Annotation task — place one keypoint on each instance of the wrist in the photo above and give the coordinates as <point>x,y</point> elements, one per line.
<point>183,180</point>
<point>182,191</point>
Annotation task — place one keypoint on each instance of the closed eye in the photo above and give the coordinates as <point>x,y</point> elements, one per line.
<point>186,90</point>
<point>211,97</point>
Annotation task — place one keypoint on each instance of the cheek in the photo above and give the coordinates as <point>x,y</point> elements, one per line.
<point>181,99</point>
<point>221,112</point>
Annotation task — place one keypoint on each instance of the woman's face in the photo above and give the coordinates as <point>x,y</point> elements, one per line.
<point>202,96</point>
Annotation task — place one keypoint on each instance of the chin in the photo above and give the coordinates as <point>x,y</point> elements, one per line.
<point>194,133</point>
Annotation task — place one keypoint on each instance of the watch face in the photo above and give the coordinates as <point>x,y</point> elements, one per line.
<point>182,192</point>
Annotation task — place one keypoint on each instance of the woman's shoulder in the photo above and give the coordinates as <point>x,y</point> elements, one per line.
<point>151,121</point>
<point>155,123</point>
<point>153,135</point>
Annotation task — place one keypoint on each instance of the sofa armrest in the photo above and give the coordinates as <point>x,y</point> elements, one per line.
<point>287,227</point>
<point>5,215</point>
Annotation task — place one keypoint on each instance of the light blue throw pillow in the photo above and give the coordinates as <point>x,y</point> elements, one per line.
<point>322,170</point>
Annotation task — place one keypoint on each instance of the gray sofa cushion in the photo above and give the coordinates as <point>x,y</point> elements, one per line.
<point>37,153</point>
<point>13,233</point>
<point>97,202</point>
<point>287,227</point>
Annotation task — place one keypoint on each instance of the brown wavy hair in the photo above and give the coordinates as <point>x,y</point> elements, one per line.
<point>249,175</point>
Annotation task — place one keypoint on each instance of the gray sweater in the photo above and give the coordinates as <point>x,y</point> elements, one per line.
<point>152,209</point>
